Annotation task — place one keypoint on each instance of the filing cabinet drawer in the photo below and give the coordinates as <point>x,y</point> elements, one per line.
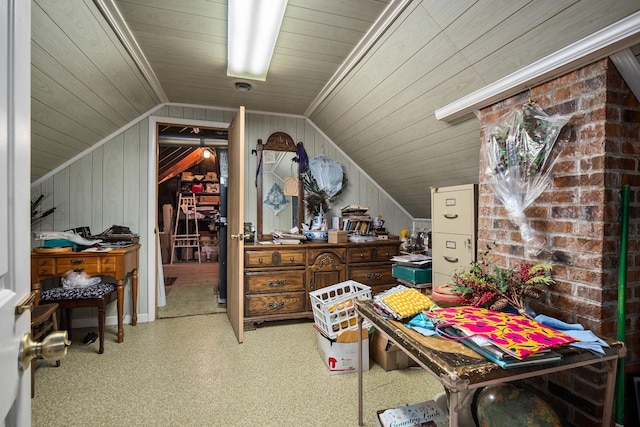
<point>452,252</point>
<point>454,210</point>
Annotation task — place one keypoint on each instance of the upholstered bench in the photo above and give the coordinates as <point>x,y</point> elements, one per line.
<point>91,296</point>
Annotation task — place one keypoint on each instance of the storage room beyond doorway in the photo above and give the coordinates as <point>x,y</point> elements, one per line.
<point>190,202</point>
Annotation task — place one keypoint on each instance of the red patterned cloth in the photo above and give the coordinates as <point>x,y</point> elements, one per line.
<point>515,334</point>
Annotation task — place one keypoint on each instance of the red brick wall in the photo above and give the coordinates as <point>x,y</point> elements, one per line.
<point>579,216</point>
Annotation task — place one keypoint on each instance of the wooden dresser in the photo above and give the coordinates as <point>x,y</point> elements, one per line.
<point>278,278</point>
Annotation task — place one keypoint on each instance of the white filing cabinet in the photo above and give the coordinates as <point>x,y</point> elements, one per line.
<point>453,230</point>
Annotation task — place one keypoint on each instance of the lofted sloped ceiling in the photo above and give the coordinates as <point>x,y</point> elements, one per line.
<point>369,73</point>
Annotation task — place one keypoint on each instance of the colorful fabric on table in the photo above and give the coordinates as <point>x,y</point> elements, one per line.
<point>407,302</point>
<point>514,333</point>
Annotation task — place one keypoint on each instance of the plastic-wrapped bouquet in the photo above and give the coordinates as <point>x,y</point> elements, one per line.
<point>518,160</point>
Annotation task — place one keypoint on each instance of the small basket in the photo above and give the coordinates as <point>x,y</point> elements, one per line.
<point>334,306</point>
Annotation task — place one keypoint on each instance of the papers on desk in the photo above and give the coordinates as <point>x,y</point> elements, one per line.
<point>414,260</point>
<point>98,249</point>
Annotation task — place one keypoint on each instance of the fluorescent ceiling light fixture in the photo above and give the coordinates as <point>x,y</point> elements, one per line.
<point>252,31</point>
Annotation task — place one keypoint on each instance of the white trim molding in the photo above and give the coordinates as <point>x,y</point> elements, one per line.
<point>614,38</point>
<point>629,68</point>
<point>113,16</point>
<point>390,14</point>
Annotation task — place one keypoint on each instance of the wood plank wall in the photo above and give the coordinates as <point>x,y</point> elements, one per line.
<point>108,185</point>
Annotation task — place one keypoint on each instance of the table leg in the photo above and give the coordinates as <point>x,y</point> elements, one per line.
<point>609,393</point>
<point>120,302</point>
<point>453,405</point>
<point>360,320</point>
<point>134,297</point>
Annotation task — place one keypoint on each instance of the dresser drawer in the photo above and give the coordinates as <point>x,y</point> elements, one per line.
<point>45,266</point>
<point>372,254</point>
<point>89,265</point>
<point>276,281</point>
<point>274,258</point>
<point>372,275</point>
<point>274,304</point>
<point>107,264</point>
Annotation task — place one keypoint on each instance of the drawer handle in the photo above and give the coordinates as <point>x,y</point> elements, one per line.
<point>280,282</point>
<point>450,216</point>
<point>279,304</point>
<point>386,254</point>
<point>77,261</point>
<point>260,260</point>
<point>106,260</point>
<point>44,271</point>
<point>374,275</point>
<point>107,269</point>
<point>450,259</point>
<point>292,258</point>
<point>44,262</point>
<point>361,255</point>
<point>78,270</point>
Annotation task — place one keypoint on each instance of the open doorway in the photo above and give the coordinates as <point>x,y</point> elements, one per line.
<point>190,206</point>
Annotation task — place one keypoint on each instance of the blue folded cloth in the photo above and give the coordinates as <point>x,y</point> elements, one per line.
<point>587,339</point>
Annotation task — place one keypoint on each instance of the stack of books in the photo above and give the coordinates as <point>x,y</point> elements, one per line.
<point>355,219</point>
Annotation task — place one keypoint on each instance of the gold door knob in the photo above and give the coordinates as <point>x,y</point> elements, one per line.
<point>52,348</point>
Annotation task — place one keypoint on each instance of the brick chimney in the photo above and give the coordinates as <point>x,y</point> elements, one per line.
<point>579,216</point>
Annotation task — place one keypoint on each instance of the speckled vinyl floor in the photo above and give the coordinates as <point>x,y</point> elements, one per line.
<point>191,371</point>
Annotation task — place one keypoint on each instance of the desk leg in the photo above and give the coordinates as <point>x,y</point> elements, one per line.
<point>134,297</point>
<point>120,302</point>
<point>360,320</point>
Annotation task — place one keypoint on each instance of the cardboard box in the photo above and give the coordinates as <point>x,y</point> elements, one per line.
<point>386,354</point>
<point>209,199</point>
<point>211,187</point>
<point>412,275</point>
<point>338,236</point>
<point>342,357</point>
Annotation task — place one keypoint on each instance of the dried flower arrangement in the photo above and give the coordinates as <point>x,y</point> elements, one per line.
<point>316,198</point>
<point>490,286</point>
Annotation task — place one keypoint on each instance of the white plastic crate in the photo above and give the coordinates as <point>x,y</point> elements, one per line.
<point>334,306</point>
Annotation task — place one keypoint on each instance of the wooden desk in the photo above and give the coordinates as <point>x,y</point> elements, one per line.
<point>459,368</point>
<point>117,263</point>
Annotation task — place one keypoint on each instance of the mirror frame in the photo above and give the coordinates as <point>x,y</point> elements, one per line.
<point>278,141</point>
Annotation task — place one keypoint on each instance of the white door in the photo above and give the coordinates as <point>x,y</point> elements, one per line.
<point>15,146</point>
<point>235,225</point>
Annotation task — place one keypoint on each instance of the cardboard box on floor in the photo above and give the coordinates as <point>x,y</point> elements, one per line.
<point>386,354</point>
<point>341,354</point>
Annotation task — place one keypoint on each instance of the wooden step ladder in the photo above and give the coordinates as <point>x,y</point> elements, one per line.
<point>186,206</point>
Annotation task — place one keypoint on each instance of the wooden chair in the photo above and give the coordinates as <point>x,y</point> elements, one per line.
<point>43,322</point>
<point>97,296</point>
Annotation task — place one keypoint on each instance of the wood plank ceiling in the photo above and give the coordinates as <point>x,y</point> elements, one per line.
<point>85,84</point>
